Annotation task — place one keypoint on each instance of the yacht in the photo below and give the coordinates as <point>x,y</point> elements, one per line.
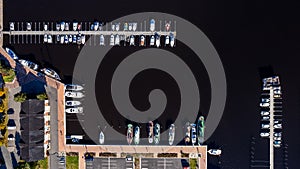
<point>152,40</point>
<point>167,40</point>
<point>134,26</point>
<point>51,73</point>
<point>142,40</point>
<point>156,133</point>
<point>29,64</point>
<point>74,39</point>
<point>188,133</point>
<point>171,134</point>
<point>129,133</point>
<point>130,26</point>
<point>73,103</point>
<point>117,40</point>
<point>49,39</point>
<point>194,134</point>
<point>200,127</point>
<point>74,94</point>
<point>75,24</point>
<point>57,26</point>
<point>62,39</point>
<point>215,152</point>
<point>112,40</point>
<point>11,26</point>
<point>66,39</point>
<point>136,135</point>
<point>117,26</point>
<point>57,38</point>
<point>152,25</point>
<point>28,26</point>
<point>62,26</point>
<point>45,38</point>
<point>125,26</point>
<point>150,132</point>
<point>101,138</point>
<point>74,110</point>
<point>67,26</point>
<point>83,39</point>
<point>73,87</point>
<point>172,40</point>
<point>157,40</point>
<point>102,40</point>
<point>131,42</point>
<point>168,25</point>
<point>11,54</point>
<point>70,39</point>
<point>96,26</point>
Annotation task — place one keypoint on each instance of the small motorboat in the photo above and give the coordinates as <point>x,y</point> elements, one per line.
<point>49,39</point>
<point>96,26</point>
<point>57,26</point>
<point>62,26</point>
<point>101,138</point>
<point>74,87</point>
<point>74,110</point>
<point>82,39</point>
<point>134,26</point>
<point>152,41</point>
<point>29,64</point>
<point>70,39</point>
<point>75,24</point>
<point>117,40</point>
<point>11,26</point>
<point>131,42</point>
<point>168,25</point>
<point>28,26</point>
<point>142,40</point>
<point>157,40</point>
<point>102,43</point>
<point>73,103</point>
<point>156,133</point>
<point>215,152</point>
<point>167,40</point>
<point>117,26</point>
<point>129,133</point>
<point>187,138</point>
<point>74,94</point>
<point>67,26</point>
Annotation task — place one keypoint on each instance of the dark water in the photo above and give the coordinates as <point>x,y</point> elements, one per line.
<point>248,35</point>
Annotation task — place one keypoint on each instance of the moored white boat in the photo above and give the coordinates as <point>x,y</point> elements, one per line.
<point>101,138</point>
<point>74,87</point>
<point>29,64</point>
<point>74,94</point>
<point>215,152</point>
<point>73,103</point>
<point>75,110</point>
<point>51,73</point>
<point>11,54</point>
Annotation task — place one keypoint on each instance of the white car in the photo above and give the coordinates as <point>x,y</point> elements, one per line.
<point>102,40</point>
<point>265,126</point>
<point>112,40</point>
<point>265,100</point>
<point>264,134</point>
<point>74,110</point>
<point>264,104</point>
<point>152,40</point>
<point>152,25</point>
<point>265,113</point>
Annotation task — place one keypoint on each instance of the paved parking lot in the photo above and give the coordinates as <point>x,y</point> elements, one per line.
<point>109,163</point>
<point>164,163</point>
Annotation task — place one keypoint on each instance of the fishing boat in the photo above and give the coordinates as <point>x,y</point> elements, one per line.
<point>101,138</point>
<point>200,127</point>
<point>11,54</point>
<point>171,134</point>
<point>50,73</point>
<point>73,103</point>
<point>187,138</point>
<point>156,133</point>
<point>150,132</point>
<point>136,135</point>
<point>74,94</point>
<point>215,152</point>
<point>129,133</point>
<point>74,87</point>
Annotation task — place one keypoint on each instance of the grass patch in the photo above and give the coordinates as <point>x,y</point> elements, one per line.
<point>193,163</point>
<point>72,162</point>
<point>167,155</point>
<point>41,164</point>
<point>4,120</point>
<point>8,75</point>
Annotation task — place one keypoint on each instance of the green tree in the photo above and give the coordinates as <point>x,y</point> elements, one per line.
<point>42,96</point>
<point>20,97</point>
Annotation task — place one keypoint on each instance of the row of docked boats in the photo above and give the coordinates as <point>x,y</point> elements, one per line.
<point>95,26</point>
<point>32,65</point>
<point>66,39</point>
<point>194,132</point>
<point>73,91</point>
